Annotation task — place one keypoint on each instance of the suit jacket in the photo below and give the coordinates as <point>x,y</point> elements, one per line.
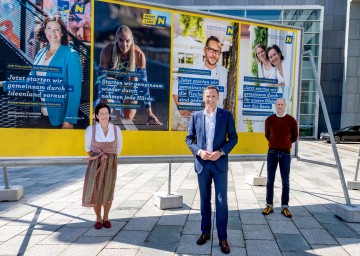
<point>71,73</point>
<point>225,137</point>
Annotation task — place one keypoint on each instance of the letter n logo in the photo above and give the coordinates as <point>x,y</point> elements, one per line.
<point>161,20</point>
<point>79,8</point>
<point>230,30</point>
<point>288,39</point>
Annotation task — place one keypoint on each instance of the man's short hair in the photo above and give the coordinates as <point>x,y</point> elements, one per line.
<point>211,87</point>
<point>212,38</point>
<point>280,99</point>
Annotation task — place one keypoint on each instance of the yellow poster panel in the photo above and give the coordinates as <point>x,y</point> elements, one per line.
<point>149,63</point>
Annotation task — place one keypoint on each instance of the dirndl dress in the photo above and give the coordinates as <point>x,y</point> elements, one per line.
<point>100,176</point>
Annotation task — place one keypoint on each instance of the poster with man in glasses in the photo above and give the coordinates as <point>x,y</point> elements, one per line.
<point>201,49</point>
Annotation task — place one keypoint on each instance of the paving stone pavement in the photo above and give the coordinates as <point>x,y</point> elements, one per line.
<point>49,219</point>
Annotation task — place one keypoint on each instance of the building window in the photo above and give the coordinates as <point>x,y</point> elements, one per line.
<point>264,14</point>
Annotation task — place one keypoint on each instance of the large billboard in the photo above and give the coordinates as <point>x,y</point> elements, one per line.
<point>149,63</point>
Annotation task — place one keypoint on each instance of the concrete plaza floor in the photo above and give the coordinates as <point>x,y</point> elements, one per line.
<point>49,219</point>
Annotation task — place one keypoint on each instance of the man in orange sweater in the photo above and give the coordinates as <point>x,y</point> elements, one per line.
<point>281,130</point>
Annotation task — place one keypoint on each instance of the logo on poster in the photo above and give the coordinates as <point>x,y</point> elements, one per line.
<point>151,19</point>
<point>63,6</point>
<point>161,21</point>
<point>79,8</point>
<point>230,30</point>
<point>289,39</point>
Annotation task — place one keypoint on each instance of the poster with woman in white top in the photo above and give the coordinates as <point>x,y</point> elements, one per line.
<point>268,71</point>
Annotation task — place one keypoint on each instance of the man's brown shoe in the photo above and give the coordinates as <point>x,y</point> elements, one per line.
<point>286,212</point>
<point>267,210</point>
<point>225,248</point>
<point>203,238</point>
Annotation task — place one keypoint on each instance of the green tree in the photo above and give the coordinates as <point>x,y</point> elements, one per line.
<point>193,26</point>
<point>249,125</point>
<point>261,37</point>
<point>231,82</point>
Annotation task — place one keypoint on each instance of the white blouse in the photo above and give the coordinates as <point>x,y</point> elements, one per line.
<point>44,62</point>
<point>264,73</point>
<point>100,136</point>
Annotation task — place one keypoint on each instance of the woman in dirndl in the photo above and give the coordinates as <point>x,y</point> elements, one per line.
<point>103,142</point>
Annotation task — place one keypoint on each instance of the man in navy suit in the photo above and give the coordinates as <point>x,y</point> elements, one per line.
<point>211,136</point>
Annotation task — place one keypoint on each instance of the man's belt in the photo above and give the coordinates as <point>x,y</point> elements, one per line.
<point>286,151</point>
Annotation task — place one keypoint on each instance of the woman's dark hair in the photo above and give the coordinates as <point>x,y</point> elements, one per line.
<point>41,32</point>
<point>97,109</point>
<point>276,48</point>
<point>262,47</point>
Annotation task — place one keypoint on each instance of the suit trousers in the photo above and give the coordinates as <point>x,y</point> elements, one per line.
<point>209,173</point>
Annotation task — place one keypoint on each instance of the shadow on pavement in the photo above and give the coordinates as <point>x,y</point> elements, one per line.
<point>313,227</point>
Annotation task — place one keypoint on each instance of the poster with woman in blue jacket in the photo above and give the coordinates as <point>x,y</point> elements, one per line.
<point>49,97</point>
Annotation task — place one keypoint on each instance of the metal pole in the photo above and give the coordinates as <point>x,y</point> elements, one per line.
<point>357,167</point>
<point>6,181</point>
<point>169,182</point>
<point>262,168</point>
<point>329,128</point>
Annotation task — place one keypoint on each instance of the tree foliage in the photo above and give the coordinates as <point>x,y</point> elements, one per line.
<point>261,37</point>
<point>193,26</point>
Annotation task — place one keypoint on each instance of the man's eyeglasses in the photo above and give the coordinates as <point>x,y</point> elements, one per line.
<point>212,50</point>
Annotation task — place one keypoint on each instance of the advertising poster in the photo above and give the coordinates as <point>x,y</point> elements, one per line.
<point>201,57</point>
<point>148,62</point>
<point>268,64</point>
<point>44,82</point>
<point>131,65</point>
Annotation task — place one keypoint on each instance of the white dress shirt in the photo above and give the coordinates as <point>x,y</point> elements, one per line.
<point>210,122</point>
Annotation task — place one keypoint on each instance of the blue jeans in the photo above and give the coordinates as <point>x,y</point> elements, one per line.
<point>275,157</point>
<point>205,178</point>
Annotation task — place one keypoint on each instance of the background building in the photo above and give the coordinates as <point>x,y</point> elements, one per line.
<point>331,32</point>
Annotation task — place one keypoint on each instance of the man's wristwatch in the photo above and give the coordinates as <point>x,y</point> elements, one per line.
<point>222,153</point>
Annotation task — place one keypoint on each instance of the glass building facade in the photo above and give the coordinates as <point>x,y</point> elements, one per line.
<point>311,20</point>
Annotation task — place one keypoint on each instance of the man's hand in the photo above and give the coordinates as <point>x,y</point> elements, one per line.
<point>204,154</point>
<point>212,156</point>
<point>215,155</point>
